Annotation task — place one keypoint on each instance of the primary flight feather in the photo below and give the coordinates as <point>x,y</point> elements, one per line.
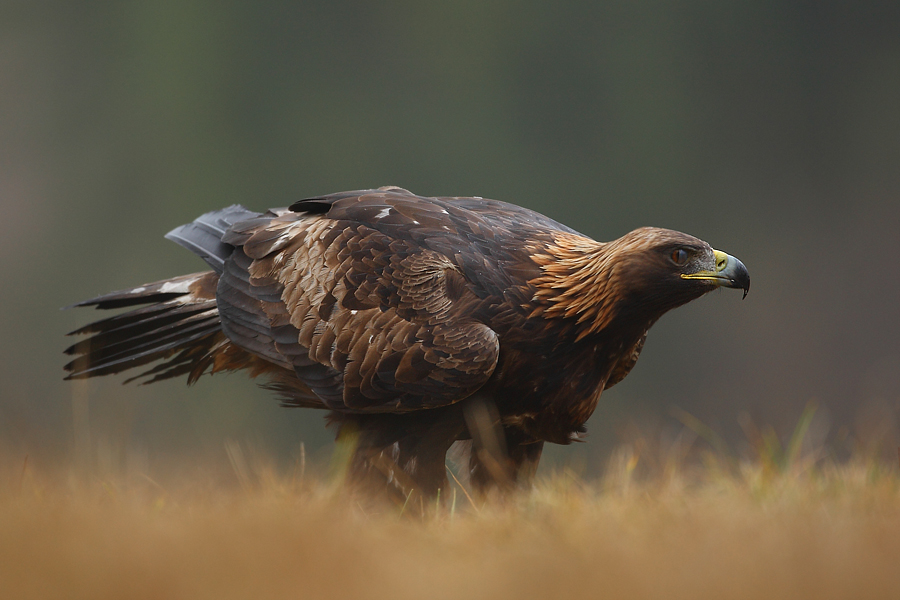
<point>417,322</point>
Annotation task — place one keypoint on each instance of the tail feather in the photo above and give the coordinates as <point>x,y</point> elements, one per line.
<point>175,321</point>
<point>136,323</point>
<point>179,325</point>
<point>100,359</point>
<point>148,293</point>
<point>193,361</point>
<point>87,366</point>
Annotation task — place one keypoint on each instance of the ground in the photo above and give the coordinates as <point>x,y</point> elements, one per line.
<point>714,530</point>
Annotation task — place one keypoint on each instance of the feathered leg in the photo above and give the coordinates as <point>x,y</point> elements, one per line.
<point>513,468</point>
<point>401,455</point>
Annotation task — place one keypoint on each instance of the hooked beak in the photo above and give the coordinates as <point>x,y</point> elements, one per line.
<point>730,272</point>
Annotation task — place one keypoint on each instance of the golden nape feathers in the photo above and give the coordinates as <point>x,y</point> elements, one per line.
<point>416,322</point>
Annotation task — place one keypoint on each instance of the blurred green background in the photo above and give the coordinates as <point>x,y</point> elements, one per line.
<point>769,129</point>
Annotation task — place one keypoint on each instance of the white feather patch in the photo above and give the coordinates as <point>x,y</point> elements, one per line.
<point>177,287</point>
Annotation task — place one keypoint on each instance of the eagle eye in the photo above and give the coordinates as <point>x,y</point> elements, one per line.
<point>679,256</point>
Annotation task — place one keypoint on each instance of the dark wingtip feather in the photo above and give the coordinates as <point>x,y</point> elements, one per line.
<point>322,204</point>
<point>312,205</point>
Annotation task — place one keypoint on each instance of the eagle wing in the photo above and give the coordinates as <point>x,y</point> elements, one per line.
<point>346,292</point>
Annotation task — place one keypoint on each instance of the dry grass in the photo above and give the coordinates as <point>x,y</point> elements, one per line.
<point>745,531</point>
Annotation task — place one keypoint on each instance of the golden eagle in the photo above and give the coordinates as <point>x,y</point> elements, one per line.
<point>416,322</point>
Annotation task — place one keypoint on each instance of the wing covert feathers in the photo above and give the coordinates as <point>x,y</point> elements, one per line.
<point>364,317</point>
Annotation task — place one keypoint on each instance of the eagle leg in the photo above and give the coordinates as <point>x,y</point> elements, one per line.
<point>399,456</point>
<point>514,468</point>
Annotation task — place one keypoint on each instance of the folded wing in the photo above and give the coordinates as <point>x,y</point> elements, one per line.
<point>369,321</point>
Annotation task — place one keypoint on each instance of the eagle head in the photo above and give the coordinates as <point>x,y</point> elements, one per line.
<point>637,277</point>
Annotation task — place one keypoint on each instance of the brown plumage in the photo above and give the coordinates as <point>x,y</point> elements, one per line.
<point>417,322</point>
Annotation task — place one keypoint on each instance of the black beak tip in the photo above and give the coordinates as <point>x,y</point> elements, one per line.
<point>741,278</point>
<point>743,282</point>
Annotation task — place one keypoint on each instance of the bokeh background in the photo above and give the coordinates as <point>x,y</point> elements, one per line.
<point>769,129</point>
